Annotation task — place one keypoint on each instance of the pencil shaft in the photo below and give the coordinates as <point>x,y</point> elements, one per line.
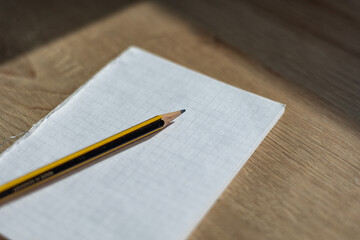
<point>81,157</point>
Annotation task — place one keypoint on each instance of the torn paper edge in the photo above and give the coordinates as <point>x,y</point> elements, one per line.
<point>58,107</point>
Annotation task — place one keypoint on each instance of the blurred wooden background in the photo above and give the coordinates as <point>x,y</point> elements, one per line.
<point>303,181</point>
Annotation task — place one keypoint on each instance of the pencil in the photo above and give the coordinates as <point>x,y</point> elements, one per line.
<point>86,155</point>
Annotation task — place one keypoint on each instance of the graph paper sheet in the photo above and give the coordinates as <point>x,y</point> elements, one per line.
<point>158,189</point>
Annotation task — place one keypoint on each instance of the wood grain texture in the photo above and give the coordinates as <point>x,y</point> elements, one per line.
<point>307,43</point>
<point>302,182</point>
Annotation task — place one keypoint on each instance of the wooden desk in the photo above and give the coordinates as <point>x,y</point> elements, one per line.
<point>301,183</point>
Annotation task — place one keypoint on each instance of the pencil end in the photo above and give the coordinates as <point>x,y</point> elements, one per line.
<point>168,117</point>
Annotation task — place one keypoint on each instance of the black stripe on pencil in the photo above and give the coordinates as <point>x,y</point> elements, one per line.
<point>86,155</point>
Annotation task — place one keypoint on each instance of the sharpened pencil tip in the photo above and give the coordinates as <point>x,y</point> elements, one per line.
<point>168,117</point>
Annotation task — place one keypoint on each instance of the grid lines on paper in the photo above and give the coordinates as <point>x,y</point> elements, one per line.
<point>158,189</point>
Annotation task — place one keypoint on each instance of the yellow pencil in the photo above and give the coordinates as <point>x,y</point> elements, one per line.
<point>86,155</point>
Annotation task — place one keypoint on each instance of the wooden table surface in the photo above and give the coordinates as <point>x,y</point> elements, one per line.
<point>303,181</point>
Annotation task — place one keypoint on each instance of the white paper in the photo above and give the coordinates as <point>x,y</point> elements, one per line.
<point>158,189</point>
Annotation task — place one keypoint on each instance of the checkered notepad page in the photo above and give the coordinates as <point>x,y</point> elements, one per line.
<point>158,189</point>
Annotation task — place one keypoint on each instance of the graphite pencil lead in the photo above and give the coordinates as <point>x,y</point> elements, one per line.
<point>168,117</point>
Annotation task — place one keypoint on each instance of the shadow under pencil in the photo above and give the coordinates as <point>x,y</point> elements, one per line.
<point>55,179</point>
